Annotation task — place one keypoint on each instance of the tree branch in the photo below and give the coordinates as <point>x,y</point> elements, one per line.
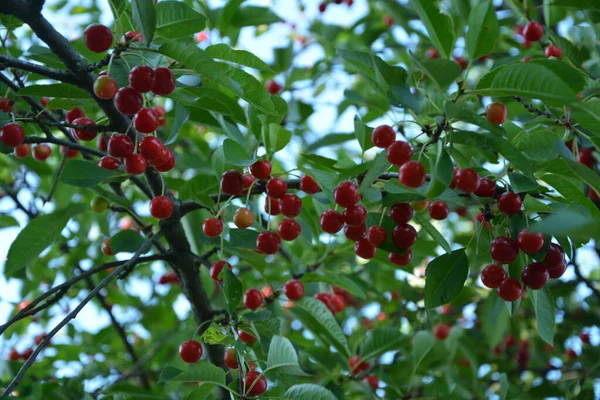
<point>56,74</point>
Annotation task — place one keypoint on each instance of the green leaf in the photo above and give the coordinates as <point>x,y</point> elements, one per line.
<point>238,81</point>
<point>363,134</point>
<point>494,320</point>
<point>569,223</point>
<point>543,304</point>
<point>308,391</point>
<point>144,18</point>
<point>232,290</point>
<point>224,52</point>
<point>439,26</point>
<point>202,371</point>
<point>254,16</point>
<point>483,30</point>
<point>60,90</point>
<point>235,154</point>
<point>442,72</point>
<point>379,167</point>
<point>381,340</point>
<point>199,189</point>
<point>279,137</point>
<point>509,152</point>
<point>462,113</point>
<point>315,317</point>
<point>182,115</point>
<point>551,80</point>
<point>338,280</point>
<point>573,193</point>
<point>84,174</point>
<point>126,241</point>
<point>6,221</point>
<point>532,204</point>
<point>423,342</point>
<point>504,386</point>
<point>117,7</point>
<point>538,144</point>
<point>38,234</point>
<point>175,19</point>
<point>282,358</point>
<point>521,183</point>
<point>441,173</point>
<point>445,278</point>
<point>433,232</point>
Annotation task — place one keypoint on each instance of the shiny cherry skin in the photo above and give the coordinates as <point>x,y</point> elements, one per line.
<point>164,82</point>
<point>261,169</point>
<point>145,120</point>
<point>556,273</point>
<point>246,337</point>
<point>230,358</point>
<point>357,365</point>
<point>404,236</point>
<point>232,182</point>
<point>135,164</point>
<point>161,207</point>
<point>377,235</point>
<point>399,153</point>
<point>190,351</point>
<point>108,162</point>
<point>293,289</point>
<point>438,210</point>
<point>289,229</point>
<point>291,205</point>
<point>128,100</point>
<point>272,206</point>
<point>383,136</point>
<point>535,275</point>
<point>268,242</point>
<point>504,250</point>
<point>355,233</point>
<point>466,180</point>
<point>496,113</point>
<point>102,142</point>
<point>273,87</point>
<point>120,145</point>
<point>555,257</point>
<point>401,213</point>
<point>493,275</point>
<point>401,260</point>
<point>142,78</point>
<point>212,227</point>
<point>586,157</point>
<point>276,188</point>
<point>530,242</point>
<point>216,268</point>
<point>22,150</point>
<point>84,134</point>
<point>41,152</point>
<point>167,164</point>
<point>364,249</point>
<point>97,38</point>
<point>243,218</point>
<point>412,174</point>
<point>373,381</point>
<point>327,300</point>
<point>510,290</point>
<point>105,87</point>
<point>255,383</point>
<point>331,221</point>
<point>309,185</point>
<point>73,114</point>
<point>355,215</point>
<point>346,194</point>
<point>253,299</point>
<point>487,188</point>
<point>12,134</point>
<point>533,31</point>
<point>441,331</point>
<point>510,203</point>
<point>553,51</point>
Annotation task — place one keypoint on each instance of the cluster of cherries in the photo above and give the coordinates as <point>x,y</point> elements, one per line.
<point>533,32</point>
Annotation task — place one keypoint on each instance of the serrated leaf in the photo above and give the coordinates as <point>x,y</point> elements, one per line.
<point>381,340</point>
<point>308,391</point>
<point>442,72</point>
<point>439,26</point>
<point>337,280</point>
<point>445,278</point>
<point>224,52</point>
<point>543,304</point>
<point>175,19</point>
<point>282,358</point>
<point>144,18</point>
<point>483,30</point>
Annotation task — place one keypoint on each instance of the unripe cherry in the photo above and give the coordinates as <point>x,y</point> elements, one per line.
<point>243,218</point>
<point>105,87</point>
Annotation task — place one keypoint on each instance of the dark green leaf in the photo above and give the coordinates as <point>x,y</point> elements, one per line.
<point>363,134</point>
<point>232,290</point>
<point>84,174</point>
<point>204,372</point>
<point>236,154</point>
<point>126,241</point>
<point>439,26</point>
<point>483,30</point>
<point>181,117</point>
<point>445,278</point>
<point>254,16</point>
<point>441,173</point>
<point>381,340</point>
<point>282,358</point>
<point>337,280</point>
<point>144,18</point>
<point>543,305</point>
<point>60,90</point>
<point>308,391</point>
<point>279,137</point>
<point>175,19</point>
<point>433,232</point>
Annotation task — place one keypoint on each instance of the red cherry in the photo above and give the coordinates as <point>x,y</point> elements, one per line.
<point>109,163</point>
<point>555,257</point>
<point>243,218</point>
<point>510,290</point>
<point>355,233</point>
<point>5,105</point>
<point>377,235</point>
<point>273,87</point>
<point>289,229</point>
<point>327,299</point>
<point>526,59</point>
<point>253,299</point>
<point>432,53</point>
<point>510,203</point>
<point>84,134</point>
<point>142,78</point>
<point>14,355</point>
<point>268,242</point>
<point>135,164</point>
<point>248,181</point>
<point>346,194</point>
<point>167,164</point>
<point>364,249</point>
<point>164,82</point>
<point>338,302</point>
<point>146,120</point>
<point>261,169</point>
<point>466,180</point>
<point>291,205</point>
<point>530,242</point>
<point>22,150</point>
<point>383,136</point>
<point>40,337</point>
<point>73,114</point>
<point>401,260</point>
<point>585,337</point>
<point>102,142</point>
<point>533,31</point>
<point>586,157</point>
<point>556,273</point>
<point>438,210</point>
<point>322,7</point>
<point>331,221</point>
<point>293,289</point>
<point>412,174</point>
<point>441,331</point>
<point>571,354</point>
<point>212,227</point>
<point>399,153</point>
<point>504,250</point>
<point>41,152</point>
<point>357,365</point>
<point>232,182</point>
<point>152,149</point>
<point>128,100</point>
<point>487,188</point>
<point>105,87</point>
<point>553,51</point>
<point>71,153</point>
<point>103,73</point>
<point>481,219</point>
<point>255,383</point>
<point>166,279</point>
<point>97,38</point>
<point>216,268</point>
<point>12,134</point>
<point>496,113</point>
<point>534,275</point>
<point>230,358</point>
<point>276,188</point>
<point>190,351</point>
<point>401,213</point>
<point>120,145</point>
<point>462,62</point>
<point>388,20</point>
<point>272,206</point>
<point>308,185</point>
<point>355,215</point>
<point>246,337</point>
<point>26,353</point>
<point>132,36</point>
<point>462,211</point>
<point>373,381</point>
<point>161,207</point>
<point>492,276</point>
<point>404,236</point>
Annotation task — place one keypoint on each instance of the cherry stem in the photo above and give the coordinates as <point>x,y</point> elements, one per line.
<point>382,215</point>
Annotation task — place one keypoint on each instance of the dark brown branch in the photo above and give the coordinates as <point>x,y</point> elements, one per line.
<point>56,74</point>
<point>97,128</point>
